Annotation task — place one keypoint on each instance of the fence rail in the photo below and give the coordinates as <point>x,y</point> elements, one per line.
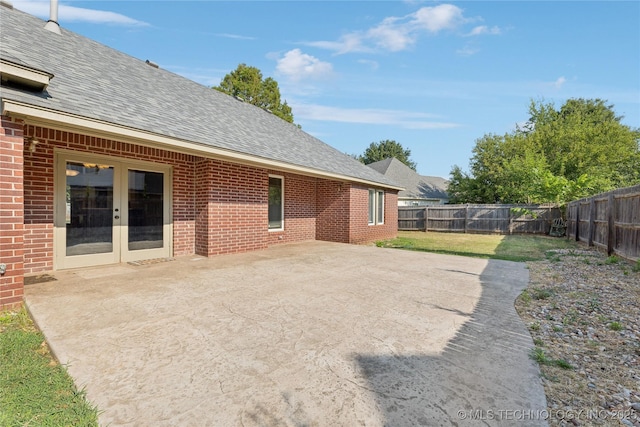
<point>610,221</point>
<point>499,219</point>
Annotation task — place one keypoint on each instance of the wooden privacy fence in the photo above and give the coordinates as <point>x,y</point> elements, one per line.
<point>502,219</point>
<point>610,221</point>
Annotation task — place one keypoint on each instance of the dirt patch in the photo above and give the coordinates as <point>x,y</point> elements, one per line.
<point>40,278</point>
<point>583,311</point>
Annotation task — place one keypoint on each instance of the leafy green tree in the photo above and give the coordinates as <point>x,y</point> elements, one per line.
<point>386,149</point>
<point>246,82</point>
<point>559,155</point>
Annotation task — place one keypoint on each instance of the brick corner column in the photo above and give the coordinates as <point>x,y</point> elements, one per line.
<point>11,212</point>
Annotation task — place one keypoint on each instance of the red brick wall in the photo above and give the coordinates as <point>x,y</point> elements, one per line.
<point>231,207</point>
<point>360,230</point>
<point>218,207</point>
<point>343,214</point>
<point>332,223</point>
<point>11,212</point>
<point>39,189</point>
<point>299,209</point>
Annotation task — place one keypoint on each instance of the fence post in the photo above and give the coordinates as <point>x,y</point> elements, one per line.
<point>466,217</point>
<point>592,215</point>
<point>611,228</point>
<point>577,225</point>
<point>426,219</point>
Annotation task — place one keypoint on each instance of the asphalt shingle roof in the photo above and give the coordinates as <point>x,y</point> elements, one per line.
<point>416,185</point>
<point>97,82</point>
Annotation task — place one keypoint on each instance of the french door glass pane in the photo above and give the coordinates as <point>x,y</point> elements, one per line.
<point>146,209</point>
<point>89,205</point>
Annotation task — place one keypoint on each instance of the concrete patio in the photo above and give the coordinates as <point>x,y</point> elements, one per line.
<point>310,334</point>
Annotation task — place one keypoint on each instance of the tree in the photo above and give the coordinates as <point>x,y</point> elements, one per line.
<point>559,155</point>
<point>246,82</point>
<point>386,149</point>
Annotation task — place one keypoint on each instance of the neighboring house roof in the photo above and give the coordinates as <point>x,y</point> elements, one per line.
<point>97,87</point>
<point>416,186</point>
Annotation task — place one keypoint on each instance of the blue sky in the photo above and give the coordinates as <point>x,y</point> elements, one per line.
<point>433,76</point>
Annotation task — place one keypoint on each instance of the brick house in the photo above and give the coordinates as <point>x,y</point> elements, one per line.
<point>105,158</point>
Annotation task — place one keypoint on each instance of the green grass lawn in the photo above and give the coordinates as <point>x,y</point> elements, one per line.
<point>35,390</point>
<point>511,248</point>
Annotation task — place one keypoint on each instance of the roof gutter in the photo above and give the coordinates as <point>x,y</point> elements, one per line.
<point>99,128</point>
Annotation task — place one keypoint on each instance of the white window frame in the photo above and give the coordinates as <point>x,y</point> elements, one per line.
<point>281,228</point>
<point>375,207</point>
<point>380,207</point>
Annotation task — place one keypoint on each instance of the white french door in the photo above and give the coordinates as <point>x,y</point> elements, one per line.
<point>110,210</point>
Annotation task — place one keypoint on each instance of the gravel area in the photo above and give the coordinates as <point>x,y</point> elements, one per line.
<point>583,311</point>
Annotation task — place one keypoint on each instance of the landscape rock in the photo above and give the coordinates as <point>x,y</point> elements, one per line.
<point>584,310</point>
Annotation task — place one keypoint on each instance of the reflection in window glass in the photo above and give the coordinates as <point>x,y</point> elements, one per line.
<point>276,212</point>
<point>146,210</point>
<point>89,208</point>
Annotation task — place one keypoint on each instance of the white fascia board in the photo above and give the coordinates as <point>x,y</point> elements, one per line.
<point>50,118</point>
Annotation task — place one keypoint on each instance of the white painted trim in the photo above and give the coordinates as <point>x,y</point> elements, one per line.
<point>25,75</point>
<point>120,252</point>
<point>281,228</point>
<point>46,117</point>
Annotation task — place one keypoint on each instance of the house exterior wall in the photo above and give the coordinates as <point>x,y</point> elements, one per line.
<point>361,231</point>
<point>39,189</point>
<point>299,209</point>
<point>217,206</point>
<point>231,208</point>
<point>343,214</point>
<point>332,201</point>
<point>11,213</point>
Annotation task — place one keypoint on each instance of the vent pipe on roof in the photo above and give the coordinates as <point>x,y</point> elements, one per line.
<point>52,23</point>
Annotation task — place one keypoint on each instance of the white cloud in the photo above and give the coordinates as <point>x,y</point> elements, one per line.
<point>483,29</point>
<point>400,33</point>
<point>76,14</point>
<point>347,43</point>
<point>438,18</point>
<point>560,82</point>
<point>402,119</point>
<point>297,66</point>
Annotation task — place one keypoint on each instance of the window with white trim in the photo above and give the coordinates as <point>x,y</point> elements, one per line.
<point>276,203</point>
<point>376,207</point>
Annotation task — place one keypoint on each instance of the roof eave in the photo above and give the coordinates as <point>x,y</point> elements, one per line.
<point>47,117</point>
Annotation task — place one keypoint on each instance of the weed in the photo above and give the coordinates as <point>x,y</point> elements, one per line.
<point>535,326</point>
<point>538,342</point>
<point>570,318</point>
<point>525,297</point>
<point>541,294</point>
<point>636,267</point>
<point>594,304</point>
<point>612,260</point>
<point>557,328</point>
<point>615,326</point>
<point>562,364</point>
<point>538,355</point>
